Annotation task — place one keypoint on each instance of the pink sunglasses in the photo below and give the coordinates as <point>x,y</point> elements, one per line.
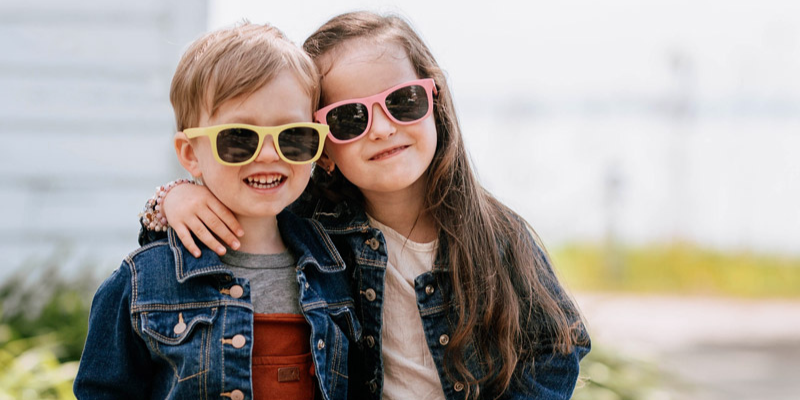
<point>404,104</point>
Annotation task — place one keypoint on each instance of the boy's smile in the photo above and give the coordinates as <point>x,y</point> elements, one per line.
<point>264,187</point>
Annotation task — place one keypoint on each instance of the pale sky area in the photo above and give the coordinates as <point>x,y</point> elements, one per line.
<point>649,120</point>
<point>581,47</point>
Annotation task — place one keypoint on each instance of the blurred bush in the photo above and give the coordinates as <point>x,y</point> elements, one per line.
<point>678,269</point>
<point>43,315</point>
<point>607,374</point>
<point>43,325</point>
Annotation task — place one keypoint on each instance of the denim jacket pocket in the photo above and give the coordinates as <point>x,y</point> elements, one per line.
<point>181,338</point>
<point>345,318</point>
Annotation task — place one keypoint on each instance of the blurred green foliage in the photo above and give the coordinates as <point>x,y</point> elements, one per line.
<point>43,325</point>
<point>43,315</point>
<point>678,269</point>
<point>609,375</point>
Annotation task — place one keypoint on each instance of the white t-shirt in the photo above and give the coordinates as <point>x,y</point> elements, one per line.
<point>409,371</point>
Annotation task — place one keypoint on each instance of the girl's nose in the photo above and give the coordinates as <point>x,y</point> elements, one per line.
<point>382,127</point>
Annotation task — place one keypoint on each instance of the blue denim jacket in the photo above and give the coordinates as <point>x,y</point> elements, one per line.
<point>166,325</point>
<point>551,377</point>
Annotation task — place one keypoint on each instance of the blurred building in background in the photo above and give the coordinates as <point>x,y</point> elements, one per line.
<point>595,121</point>
<point>85,122</point>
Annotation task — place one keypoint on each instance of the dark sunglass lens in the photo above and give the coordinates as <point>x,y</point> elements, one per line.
<point>348,120</point>
<point>408,104</point>
<point>299,144</point>
<point>237,144</point>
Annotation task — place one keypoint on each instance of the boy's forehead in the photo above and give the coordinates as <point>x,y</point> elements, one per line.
<point>282,99</point>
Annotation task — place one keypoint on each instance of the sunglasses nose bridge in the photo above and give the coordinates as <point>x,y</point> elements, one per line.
<point>268,151</point>
<point>381,123</point>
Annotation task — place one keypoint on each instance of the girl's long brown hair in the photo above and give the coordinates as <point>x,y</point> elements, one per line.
<point>505,297</point>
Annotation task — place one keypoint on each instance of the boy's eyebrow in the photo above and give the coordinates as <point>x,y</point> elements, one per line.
<point>241,119</point>
<point>249,119</point>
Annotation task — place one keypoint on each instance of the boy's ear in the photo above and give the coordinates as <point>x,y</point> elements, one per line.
<point>186,155</point>
<point>326,163</point>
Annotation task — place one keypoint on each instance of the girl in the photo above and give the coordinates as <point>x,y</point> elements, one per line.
<point>472,306</point>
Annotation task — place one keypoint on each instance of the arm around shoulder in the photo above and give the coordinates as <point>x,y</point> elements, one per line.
<point>115,363</point>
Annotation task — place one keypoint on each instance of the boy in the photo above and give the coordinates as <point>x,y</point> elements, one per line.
<point>269,319</point>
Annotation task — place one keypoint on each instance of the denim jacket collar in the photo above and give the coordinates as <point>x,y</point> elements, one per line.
<point>348,217</point>
<point>316,250</point>
<point>341,218</point>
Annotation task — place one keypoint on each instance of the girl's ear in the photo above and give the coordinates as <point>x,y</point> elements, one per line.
<point>186,155</point>
<point>326,163</point>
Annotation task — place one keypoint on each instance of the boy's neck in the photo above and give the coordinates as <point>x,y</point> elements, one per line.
<point>403,212</point>
<point>261,236</point>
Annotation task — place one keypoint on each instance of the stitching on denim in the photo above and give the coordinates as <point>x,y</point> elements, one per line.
<point>176,253</point>
<point>177,340</point>
<point>191,376</point>
<point>337,349</point>
<point>328,245</point>
<point>348,229</point>
<point>134,283</point>
<point>190,306</point>
<point>370,262</point>
<point>222,346</point>
<point>135,324</point>
<point>432,310</point>
<point>154,345</point>
<point>146,247</point>
<point>323,304</point>
<point>208,360</point>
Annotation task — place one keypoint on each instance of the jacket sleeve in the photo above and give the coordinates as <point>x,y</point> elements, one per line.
<point>147,236</point>
<point>115,363</point>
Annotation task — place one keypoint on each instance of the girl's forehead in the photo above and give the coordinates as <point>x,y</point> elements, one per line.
<point>362,68</point>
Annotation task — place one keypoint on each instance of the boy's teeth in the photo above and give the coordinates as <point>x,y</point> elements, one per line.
<point>264,181</point>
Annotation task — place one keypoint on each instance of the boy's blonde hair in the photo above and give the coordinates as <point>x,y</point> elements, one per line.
<point>231,62</point>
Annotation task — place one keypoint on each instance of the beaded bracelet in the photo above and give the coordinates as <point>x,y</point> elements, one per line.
<point>152,216</point>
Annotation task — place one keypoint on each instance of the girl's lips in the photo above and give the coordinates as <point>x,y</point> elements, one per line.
<point>388,153</point>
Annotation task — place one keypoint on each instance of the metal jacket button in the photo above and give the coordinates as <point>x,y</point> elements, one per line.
<point>444,340</point>
<point>180,327</point>
<point>429,290</point>
<point>320,344</point>
<point>374,244</point>
<point>236,291</point>
<point>370,341</point>
<point>458,386</point>
<point>370,294</point>
<point>237,395</point>
<point>238,341</point>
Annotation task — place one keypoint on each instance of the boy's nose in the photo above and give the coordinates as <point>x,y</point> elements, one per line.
<point>268,152</point>
<point>382,127</point>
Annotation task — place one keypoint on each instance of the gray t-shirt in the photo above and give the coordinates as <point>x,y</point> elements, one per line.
<point>273,282</point>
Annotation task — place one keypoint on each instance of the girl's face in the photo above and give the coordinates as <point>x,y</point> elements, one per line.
<point>391,158</point>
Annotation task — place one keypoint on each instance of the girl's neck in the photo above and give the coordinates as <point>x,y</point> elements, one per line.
<point>404,212</point>
<point>261,236</point>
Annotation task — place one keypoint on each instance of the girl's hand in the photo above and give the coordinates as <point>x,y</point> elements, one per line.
<point>194,209</point>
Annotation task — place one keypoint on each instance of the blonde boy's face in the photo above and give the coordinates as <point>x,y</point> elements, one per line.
<point>281,101</point>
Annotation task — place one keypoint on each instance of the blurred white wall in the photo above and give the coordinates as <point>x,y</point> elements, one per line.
<point>85,122</point>
<point>652,121</point>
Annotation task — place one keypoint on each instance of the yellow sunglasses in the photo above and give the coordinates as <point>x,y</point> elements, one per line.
<point>240,144</point>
